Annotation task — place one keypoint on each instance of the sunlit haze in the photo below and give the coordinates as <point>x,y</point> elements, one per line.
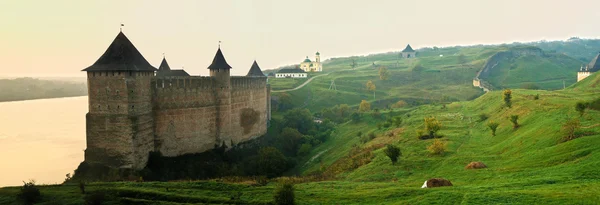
<point>60,37</point>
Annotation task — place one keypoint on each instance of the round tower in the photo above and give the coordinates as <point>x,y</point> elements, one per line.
<point>219,70</point>
<point>119,123</point>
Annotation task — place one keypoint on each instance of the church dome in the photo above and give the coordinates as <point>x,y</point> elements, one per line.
<point>307,60</point>
<point>317,53</point>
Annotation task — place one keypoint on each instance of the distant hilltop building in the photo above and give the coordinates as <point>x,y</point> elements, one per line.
<point>291,73</point>
<point>312,66</point>
<point>589,69</point>
<point>135,109</point>
<point>408,52</point>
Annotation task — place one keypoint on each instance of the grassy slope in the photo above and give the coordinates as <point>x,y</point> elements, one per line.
<point>444,76</point>
<point>547,72</point>
<point>526,166</point>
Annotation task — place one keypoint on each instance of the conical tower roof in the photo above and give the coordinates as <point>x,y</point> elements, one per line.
<point>164,65</point>
<point>595,64</point>
<point>219,61</point>
<point>121,55</point>
<point>408,49</point>
<point>255,70</point>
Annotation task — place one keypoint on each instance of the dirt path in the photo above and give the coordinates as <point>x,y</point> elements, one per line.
<point>302,85</point>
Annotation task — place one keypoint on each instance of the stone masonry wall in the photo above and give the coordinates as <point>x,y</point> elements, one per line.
<point>249,112</point>
<point>118,130</point>
<point>185,114</point>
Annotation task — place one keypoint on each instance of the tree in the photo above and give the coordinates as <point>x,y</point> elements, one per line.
<point>284,194</point>
<point>353,65</point>
<point>397,121</point>
<point>300,119</point>
<point>371,87</point>
<point>399,104</point>
<point>392,152</point>
<point>285,102</point>
<point>432,125</point>
<point>271,162</point>
<point>437,147</point>
<point>343,110</point>
<point>493,125</point>
<point>570,129</point>
<point>29,193</point>
<point>580,107</point>
<point>514,119</point>
<point>507,96</point>
<point>304,149</point>
<point>290,139</point>
<point>384,74</point>
<point>355,117</point>
<point>364,106</point>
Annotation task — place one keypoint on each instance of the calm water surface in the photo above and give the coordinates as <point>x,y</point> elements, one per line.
<point>41,139</point>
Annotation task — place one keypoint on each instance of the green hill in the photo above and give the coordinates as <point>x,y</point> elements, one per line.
<point>527,165</point>
<point>437,75</point>
<point>529,67</point>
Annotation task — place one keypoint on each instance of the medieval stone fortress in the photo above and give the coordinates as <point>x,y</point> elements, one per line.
<point>135,109</point>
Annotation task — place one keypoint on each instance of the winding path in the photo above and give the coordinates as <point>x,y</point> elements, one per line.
<point>302,85</point>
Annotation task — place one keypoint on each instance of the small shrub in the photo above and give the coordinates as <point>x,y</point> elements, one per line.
<point>284,194</point>
<point>432,125</point>
<point>95,198</point>
<point>507,97</point>
<point>359,134</point>
<point>387,124</point>
<point>483,117</point>
<point>397,121</point>
<point>437,147</point>
<point>379,126</point>
<point>355,117</point>
<point>536,97</point>
<point>392,152</point>
<point>372,135</point>
<point>67,177</point>
<point>304,149</point>
<point>82,187</point>
<point>29,193</point>
<point>580,107</point>
<point>493,126</point>
<point>476,165</point>
<point>262,180</point>
<point>570,129</point>
<point>514,119</point>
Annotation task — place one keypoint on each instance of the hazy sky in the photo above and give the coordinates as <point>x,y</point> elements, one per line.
<point>62,37</point>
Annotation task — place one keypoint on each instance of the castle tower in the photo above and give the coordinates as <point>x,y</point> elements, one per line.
<point>408,52</point>
<point>589,69</point>
<point>255,71</point>
<point>219,72</point>
<point>119,123</point>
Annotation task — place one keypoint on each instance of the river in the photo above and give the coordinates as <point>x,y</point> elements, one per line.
<point>41,139</point>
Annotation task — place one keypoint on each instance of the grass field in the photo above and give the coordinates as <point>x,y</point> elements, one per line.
<point>527,165</point>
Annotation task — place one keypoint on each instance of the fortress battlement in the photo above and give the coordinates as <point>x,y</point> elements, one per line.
<point>135,109</point>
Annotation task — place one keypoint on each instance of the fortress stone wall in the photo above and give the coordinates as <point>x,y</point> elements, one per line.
<point>135,109</point>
